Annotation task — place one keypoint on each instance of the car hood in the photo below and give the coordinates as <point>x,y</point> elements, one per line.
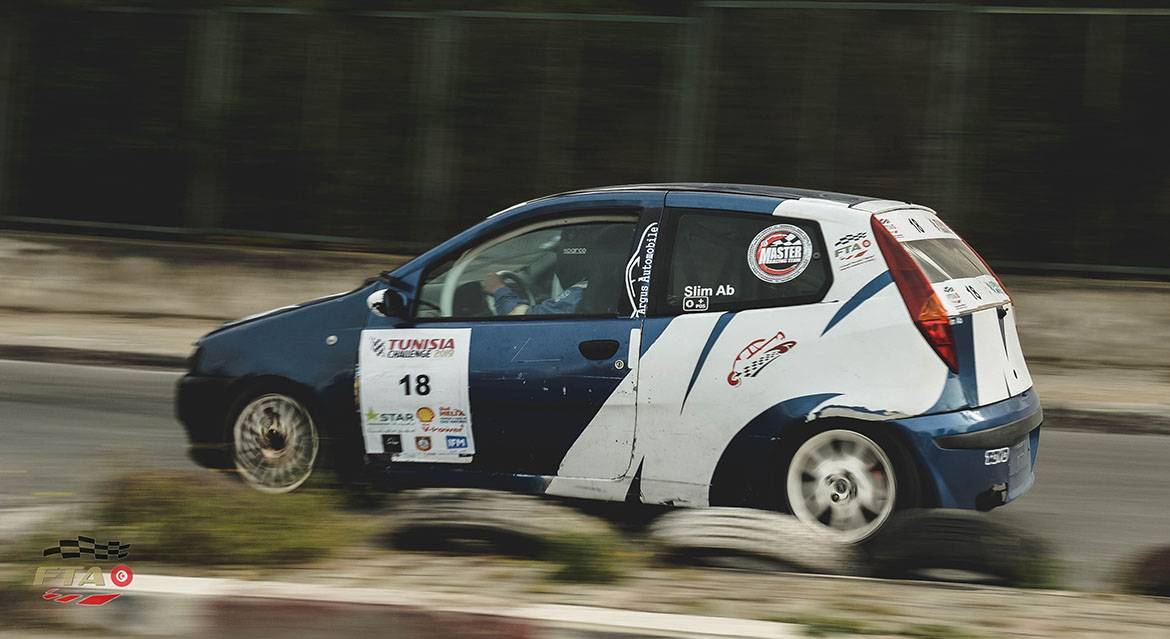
<point>276,311</point>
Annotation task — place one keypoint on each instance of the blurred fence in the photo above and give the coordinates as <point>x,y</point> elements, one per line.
<point>1040,133</point>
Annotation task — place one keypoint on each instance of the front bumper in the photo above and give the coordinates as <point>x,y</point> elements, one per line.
<point>201,404</point>
<point>978,458</point>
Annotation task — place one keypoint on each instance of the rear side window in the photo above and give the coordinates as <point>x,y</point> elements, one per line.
<point>943,259</point>
<point>722,261</point>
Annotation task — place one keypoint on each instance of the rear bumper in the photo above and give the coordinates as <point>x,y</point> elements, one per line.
<point>979,458</point>
<point>201,404</point>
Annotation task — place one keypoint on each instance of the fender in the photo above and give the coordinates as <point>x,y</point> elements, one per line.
<point>746,472</point>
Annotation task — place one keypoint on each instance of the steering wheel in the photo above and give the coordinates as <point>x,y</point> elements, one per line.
<point>517,283</point>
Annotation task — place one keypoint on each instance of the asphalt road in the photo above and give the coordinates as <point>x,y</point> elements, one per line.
<point>1099,497</point>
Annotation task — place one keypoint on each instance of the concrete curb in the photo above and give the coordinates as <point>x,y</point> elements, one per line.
<point>86,357</point>
<point>198,606</point>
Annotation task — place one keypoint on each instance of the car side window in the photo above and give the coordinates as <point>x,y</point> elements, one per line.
<point>725,261</point>
<point>567,268</point>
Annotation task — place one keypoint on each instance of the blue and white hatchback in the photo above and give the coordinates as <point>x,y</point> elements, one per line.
<point>835,356</point>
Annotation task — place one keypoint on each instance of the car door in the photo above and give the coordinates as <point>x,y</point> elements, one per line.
<point>510,377</point>
<point>733,303</point>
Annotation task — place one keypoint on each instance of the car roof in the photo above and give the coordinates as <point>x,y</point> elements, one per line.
<point>736,189</point>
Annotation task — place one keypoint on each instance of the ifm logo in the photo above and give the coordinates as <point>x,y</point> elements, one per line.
<point>81,576</point>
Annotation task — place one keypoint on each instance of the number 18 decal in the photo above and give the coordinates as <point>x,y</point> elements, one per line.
<point>414,386</point>
<point>422,384</point>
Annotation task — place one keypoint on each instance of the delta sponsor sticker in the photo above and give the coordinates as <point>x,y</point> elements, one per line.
<point>779,253</point>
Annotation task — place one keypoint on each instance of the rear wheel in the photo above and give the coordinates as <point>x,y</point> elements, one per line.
<point>842,484</point>
<point>276,443</point>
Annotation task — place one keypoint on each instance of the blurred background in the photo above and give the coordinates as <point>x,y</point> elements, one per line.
<point>1039,130</point>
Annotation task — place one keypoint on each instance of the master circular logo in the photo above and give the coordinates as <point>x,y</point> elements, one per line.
<point>425,414</point>
<point>779,253</point>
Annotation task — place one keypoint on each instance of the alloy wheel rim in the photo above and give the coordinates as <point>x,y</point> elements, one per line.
<point>842,484</point>
<point>276,443</point>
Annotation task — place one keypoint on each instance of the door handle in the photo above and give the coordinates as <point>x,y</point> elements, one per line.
<point>598,348</point>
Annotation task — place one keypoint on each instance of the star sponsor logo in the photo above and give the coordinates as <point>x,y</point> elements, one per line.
<point>376,418</point>
<point>388,422</point>
<point>758,354</point>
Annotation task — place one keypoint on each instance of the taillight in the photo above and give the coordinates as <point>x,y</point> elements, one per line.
<point>921,301</point>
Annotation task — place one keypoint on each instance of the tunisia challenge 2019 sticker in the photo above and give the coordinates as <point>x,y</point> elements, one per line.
<point>780,253</point>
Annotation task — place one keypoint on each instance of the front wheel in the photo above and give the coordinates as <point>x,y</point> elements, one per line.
<point>275,443</point>
<point>843,484</point>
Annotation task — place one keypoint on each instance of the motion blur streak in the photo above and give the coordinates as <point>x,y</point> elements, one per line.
<point>1037,131</point>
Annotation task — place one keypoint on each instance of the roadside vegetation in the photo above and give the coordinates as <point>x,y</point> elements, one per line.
<point>1148,573</point>
<point>202,519</point>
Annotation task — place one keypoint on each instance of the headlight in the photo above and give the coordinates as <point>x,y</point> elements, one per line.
<point>193,358</point>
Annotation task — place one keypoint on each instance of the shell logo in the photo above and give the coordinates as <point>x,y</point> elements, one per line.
<point>425,415</point>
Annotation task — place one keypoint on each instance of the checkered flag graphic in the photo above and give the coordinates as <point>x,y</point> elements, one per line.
<point>75,548</point>
<point>753,368</point>
<point>849,239</point>
<point>788,240</point>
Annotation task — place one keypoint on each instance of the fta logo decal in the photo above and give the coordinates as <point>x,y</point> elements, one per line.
<point>423,443</point>
<point>69,577</point>
<point>756,355</point>
<point>779,253</point>
<point>853,250</point>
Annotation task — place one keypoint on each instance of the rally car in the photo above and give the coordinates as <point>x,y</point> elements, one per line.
<point>835,356</point>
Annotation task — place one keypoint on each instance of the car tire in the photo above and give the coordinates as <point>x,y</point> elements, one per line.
<point>844,503</point>
<point>455,518</point>
<point>958,545</point>
<point>747,537</point>
<point>274,439</point>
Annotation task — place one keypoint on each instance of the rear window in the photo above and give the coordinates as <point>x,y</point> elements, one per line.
<point>943,259</point>
<point>723,261</point>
